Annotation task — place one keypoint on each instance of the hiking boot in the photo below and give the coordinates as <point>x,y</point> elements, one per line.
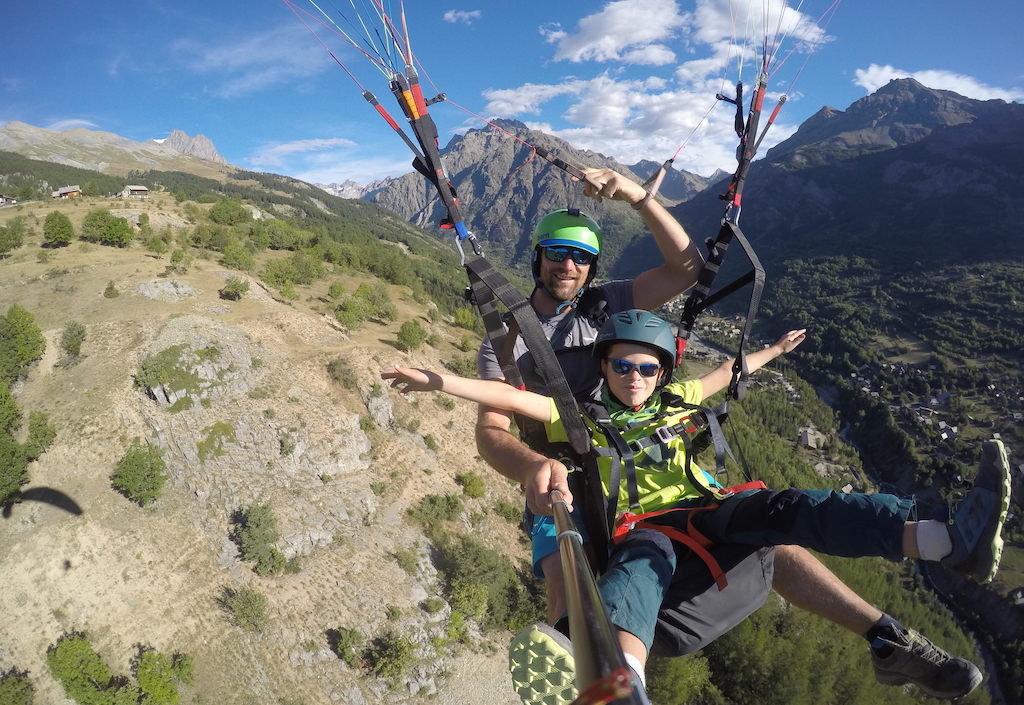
<point>911,658</point>
<point>543,670</point>
<point>978,519</point>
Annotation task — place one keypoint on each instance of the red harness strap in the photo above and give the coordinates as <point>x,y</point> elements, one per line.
<point>692,538</point>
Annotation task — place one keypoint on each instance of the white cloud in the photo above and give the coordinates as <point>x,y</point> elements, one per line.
<point>464,16</point>
<point>276,155</point>
<point>71,124</point>
<point>256,62</point>
<point>528,98</point>
<point>616,33</point>
<point>875,76</point>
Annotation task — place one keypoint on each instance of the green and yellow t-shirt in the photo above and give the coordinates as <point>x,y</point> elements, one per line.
<point>660,468</point>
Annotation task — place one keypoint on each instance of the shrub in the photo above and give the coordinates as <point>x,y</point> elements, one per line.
<point>16,688</point>
<point>21,343</point>
<point>229,212</point>
<point>346,643</point>
<point>159,675</point>
<point>217,434</point>
<point>83,673</point>
<point>341,372</point>
<point>237,256</point>
<point>393,613</point>
<point>461,366</point>
<point>234,289</point>
<point>434,508</point>
<point>407,560</point>
<point>13,466</point>
<point>430,441</point>
<point>12,235</point>
<point>466,318</point>
<point>111,291</point>
<point>390,656</point>
<point>512,513</point>
<point>411,336</point>
<point>40,435</point>
<point>247,607</point>
<point>256,535</point>
<point>140,475</point>
<point>472,484</point>
<point>433,605</point>
<point>71,340</point>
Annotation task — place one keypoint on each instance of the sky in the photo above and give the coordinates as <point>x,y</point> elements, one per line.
<point>632,79</point>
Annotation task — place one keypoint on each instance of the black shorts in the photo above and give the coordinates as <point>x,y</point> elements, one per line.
<point>695,612</point>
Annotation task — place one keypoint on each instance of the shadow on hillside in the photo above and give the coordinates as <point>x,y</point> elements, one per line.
<point>46,495</point>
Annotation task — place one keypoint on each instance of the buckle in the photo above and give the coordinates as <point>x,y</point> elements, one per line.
<point>664,433</point>
<point>635,446</point>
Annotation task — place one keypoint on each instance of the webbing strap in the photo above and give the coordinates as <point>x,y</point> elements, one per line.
<point>547,362</point>
<point>692,539</point>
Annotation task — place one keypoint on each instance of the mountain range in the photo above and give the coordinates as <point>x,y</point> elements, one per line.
<point>112,154</point>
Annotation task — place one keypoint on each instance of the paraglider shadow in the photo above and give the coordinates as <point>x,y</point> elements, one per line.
<point>46,495</point>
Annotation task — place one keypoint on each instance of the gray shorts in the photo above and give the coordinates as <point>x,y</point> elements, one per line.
<point>695,612</point>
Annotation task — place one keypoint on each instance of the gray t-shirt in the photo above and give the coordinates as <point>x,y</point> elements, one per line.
<point>572,337</point>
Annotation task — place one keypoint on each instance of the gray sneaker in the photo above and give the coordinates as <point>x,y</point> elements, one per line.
<point>543,669</point>
<point>978,520</point>
<point>912,658</point>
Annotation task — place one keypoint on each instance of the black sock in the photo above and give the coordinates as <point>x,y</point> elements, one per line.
<point>882,632</point>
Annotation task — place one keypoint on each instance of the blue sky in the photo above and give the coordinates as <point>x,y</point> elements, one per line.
<point>628,78</point>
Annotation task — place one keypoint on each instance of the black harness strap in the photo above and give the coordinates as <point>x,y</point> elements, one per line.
<point>479,269</point>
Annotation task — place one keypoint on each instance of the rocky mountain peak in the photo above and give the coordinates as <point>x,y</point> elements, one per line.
<point>199,146</point>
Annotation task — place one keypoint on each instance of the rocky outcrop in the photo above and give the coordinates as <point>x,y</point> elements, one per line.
<point>199,146</point>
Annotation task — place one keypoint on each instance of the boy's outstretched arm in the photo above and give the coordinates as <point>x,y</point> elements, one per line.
<point>718,379</point>
<point>486,392</point>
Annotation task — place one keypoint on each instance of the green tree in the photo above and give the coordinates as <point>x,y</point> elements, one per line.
<point>94,224</point>
<point>411,335</point>
<point>16,688</point>
<point>117,232</point>
<point>57,230</point>
<point>83,673</point>
<point>237,256</point>
<point>71,339</point>
<point>247,607</point>
<point>256,535</point>
<point>229,211</point>
<point>40,435</point>
<point>12,235</point>
<point>10,415</point>
<point>234,289</point>
<point>13,467</point>
<point>140,475</point>
<point>159,676</point>
<point>157,245</point>
<point>21,342</point>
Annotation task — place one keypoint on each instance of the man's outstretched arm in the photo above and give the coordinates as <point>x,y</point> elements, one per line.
<point>682,258</point>
<point>504,452</point>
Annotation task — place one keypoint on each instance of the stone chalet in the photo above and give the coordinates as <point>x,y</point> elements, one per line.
<point>68,192</point>
<point>131,191</point>
<point>7,200</point>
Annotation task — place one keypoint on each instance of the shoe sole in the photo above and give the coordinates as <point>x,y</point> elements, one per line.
<point>542,666</point>
<point>995,540</point>
<point>898,680</point>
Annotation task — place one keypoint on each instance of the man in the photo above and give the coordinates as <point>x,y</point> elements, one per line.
<point>567,245</point>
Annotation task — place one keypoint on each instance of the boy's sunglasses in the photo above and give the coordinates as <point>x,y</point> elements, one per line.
<point>624,367</point>
<point>558,254</point>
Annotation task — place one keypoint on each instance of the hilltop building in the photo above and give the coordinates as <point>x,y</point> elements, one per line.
<point>68,192</point>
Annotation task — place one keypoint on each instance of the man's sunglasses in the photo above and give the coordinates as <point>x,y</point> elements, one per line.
<point>624,367</point>
<point>558,254</point>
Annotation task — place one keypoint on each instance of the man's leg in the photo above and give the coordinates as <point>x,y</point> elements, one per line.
<point>899,655</point>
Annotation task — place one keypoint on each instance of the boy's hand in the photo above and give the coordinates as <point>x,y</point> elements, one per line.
<point>789,341</point>
<point>544,478</point>
<point>410,379</point>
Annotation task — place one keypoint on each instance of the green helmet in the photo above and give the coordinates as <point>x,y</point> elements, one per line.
<point>568,228</point>
<point>643,328</point>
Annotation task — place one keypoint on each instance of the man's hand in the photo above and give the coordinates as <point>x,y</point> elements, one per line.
<point>541,481</point>
<point>613,185</point>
